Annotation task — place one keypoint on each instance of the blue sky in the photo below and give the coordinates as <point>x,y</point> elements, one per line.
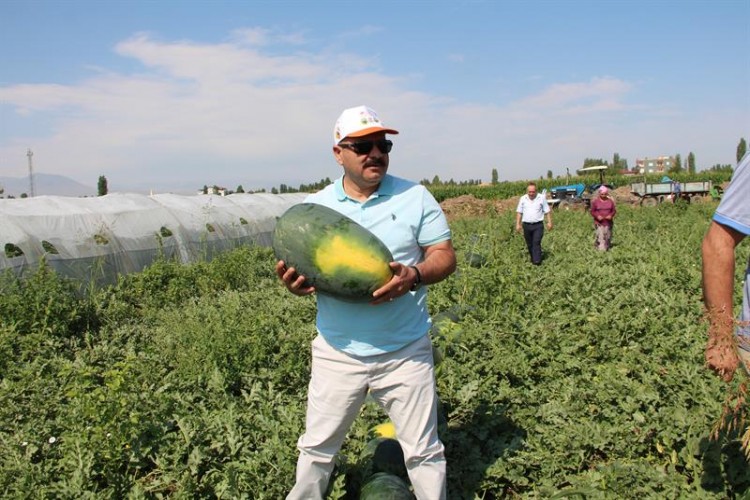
<point>172,95</point>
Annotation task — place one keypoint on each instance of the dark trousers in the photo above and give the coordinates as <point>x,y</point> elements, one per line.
<point>533,233</point>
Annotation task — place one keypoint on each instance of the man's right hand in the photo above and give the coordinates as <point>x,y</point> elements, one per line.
<point>293,282</point>
<point>721,356</point>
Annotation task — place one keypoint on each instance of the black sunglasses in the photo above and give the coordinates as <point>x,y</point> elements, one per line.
<point>364,147</point>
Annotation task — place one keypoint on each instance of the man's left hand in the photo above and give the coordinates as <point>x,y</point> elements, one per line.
<point>399,284</point>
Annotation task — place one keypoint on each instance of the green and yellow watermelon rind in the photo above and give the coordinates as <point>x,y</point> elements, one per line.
<point>334,253</point>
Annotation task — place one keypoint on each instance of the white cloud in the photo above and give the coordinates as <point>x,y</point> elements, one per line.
<point>229,113</point>
<point>595,95</point>
<point>255,37</point>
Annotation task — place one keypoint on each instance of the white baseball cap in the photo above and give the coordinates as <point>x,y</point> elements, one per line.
<point>358,121</point>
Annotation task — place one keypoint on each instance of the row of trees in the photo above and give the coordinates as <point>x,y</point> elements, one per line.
<point>283,188</point>
<point>617,164</point>
<point>317,186</point>
<point>303,188</point>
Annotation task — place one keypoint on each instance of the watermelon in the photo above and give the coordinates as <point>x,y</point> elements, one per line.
<point>476,259</point>
<point>383,455</point>
<point>334,253</point>
<point>437,355</point>
<point>384,486</point>
<point>446,328</point>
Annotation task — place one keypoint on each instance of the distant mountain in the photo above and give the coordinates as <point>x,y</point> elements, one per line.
<point>45,184</point>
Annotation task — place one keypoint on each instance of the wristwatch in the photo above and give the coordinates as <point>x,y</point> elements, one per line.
<point>417,280</point>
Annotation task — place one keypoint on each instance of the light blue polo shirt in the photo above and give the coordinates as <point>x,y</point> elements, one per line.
<point>734,212</point>
<point>406,217</point>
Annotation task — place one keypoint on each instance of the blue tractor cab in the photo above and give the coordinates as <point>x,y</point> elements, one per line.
<point>575,194</point>
<point>569,192</point>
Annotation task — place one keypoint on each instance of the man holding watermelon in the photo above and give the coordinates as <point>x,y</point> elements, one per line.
<point>380,346</point>
<point>728,342</point>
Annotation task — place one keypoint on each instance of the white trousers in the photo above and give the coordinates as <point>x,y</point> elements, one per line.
<point>402,382</point>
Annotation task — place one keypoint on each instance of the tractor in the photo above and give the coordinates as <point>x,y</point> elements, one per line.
<point>577,195</point>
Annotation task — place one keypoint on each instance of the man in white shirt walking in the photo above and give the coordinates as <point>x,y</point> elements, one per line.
<point>530,216</point>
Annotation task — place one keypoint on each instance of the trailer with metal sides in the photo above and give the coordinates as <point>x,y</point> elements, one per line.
<point>651,194</point>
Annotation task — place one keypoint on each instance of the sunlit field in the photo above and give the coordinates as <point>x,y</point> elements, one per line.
<point>583,377</point>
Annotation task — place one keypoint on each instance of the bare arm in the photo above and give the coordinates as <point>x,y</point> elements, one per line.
<point>718,292</point>
<point>439,263</point>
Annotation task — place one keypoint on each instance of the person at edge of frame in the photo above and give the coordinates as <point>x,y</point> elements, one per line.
<point>728,342</point>
<point>530,215</point>
<point>381,347</point>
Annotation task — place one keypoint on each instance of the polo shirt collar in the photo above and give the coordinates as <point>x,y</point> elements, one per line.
<point>386,188</point>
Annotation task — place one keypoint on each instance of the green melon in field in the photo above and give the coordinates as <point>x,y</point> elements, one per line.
<point>335,254</point>
<point>383,455</point>
<point>384,486</point>
<point>476,259</point>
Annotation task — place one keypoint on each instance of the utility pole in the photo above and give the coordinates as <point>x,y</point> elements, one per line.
<point>30,153</point>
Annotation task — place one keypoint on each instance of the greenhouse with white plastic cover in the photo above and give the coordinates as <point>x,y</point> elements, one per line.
<point>94,240</point>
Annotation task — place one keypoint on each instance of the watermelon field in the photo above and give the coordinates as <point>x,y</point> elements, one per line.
<point>580,378</point>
